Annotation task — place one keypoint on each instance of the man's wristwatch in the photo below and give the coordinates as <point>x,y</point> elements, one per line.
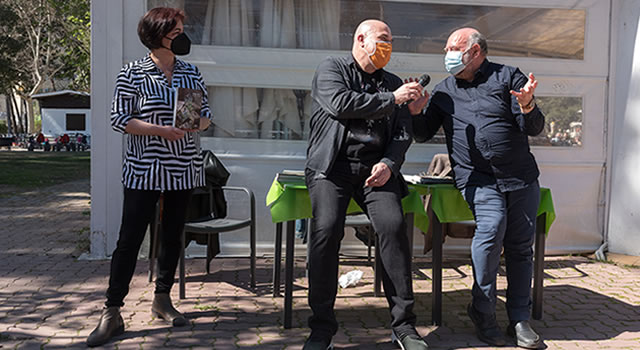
<point>529,106</point>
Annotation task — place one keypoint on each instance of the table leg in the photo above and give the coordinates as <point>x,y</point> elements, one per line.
<point>288,274</point>
<point>538,267</point>
<point>436,291</point>
<point>277,260</point>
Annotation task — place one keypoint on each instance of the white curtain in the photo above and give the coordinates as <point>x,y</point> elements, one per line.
<point>318,24</point>
<point>278,29</point>
<point>166,3</point>
<point>231,23</point>
<point>310,24</point>
<point>318,27</point>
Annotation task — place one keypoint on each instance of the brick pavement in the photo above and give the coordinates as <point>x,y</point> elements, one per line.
<point>50,300</point>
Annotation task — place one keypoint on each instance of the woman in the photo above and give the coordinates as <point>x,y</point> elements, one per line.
<point>160,158</point>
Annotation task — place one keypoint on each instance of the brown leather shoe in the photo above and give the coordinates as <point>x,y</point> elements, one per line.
<point>110,325</point>
<point>162,308</point>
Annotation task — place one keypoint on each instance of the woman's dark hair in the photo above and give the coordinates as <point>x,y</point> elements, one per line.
<point>156,24</point>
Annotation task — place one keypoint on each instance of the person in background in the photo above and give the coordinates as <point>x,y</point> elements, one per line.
<point>360,130</point>
<point>487,111</point>
<point>159,159</point>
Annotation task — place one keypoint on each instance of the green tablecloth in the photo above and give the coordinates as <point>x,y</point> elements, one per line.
<point>449,205</point>
<point>289,200</point>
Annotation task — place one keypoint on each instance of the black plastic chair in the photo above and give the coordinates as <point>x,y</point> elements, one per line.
<point>220,225</point>
<point>210,226</point>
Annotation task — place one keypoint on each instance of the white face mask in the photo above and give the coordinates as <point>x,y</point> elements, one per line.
<point>453,61</point>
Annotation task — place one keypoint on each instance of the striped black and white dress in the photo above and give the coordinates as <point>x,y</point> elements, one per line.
<point>153,162</point>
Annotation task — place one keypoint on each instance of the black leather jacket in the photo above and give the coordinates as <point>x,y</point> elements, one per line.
<point>339,95</point>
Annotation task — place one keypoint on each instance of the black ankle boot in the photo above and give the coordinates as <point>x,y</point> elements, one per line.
<point>110,325</point>
<point>486,326</point>
<point>524,335</point>
<point>163,309</point>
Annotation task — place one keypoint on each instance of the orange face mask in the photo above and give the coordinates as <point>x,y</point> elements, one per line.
<point>381,54</point>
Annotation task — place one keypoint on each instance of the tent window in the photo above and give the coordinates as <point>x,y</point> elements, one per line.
<point>417,27</point>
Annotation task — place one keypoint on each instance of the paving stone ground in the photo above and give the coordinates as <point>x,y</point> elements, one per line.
<point>51,300</point>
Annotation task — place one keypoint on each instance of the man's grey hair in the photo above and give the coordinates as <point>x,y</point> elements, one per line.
<point>478,38</point>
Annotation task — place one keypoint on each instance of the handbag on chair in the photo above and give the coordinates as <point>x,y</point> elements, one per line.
<point>216,176</point>
<point>201,206</point>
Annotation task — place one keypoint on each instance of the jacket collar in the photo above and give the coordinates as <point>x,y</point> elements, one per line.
<point>376,74</point>
<point>484,69</point>
<point>148,65</point>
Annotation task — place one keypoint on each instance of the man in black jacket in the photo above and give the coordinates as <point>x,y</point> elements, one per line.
<point>360,131</point>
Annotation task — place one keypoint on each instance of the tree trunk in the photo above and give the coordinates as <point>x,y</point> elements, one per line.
<point>32,118</point>
<point>10,123</point>
<point>28,119</point>
<point>16,114</point>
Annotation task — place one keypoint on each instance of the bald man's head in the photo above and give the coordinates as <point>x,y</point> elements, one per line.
<point>365,37</point>
<point>464,38</point>
<point>370,25</point>
<point>473,47</point>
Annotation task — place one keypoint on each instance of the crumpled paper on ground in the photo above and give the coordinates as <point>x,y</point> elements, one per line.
<point>350,278</point>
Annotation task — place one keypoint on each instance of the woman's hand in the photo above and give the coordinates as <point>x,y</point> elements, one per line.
<point>139,127</point>
<point>171,133</point>
<point>204,123</point>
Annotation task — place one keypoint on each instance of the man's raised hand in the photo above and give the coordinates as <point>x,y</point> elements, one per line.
<point>525,95</point>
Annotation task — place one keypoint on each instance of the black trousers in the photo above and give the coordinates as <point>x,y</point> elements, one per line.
<point>330,197</point>
<point>137,212</point>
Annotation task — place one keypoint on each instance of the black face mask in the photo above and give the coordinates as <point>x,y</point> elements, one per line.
<point>181,45</point>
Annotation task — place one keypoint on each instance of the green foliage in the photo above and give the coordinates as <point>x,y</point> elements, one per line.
<point>48,41</point>
<point>561,110</point>
<point>9,46</point>
<point>3,127</point>
<point>37,125</point>
<point>45,44</point>
<point>76,24</point>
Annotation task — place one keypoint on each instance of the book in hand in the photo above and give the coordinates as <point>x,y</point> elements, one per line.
<point>186,109</point>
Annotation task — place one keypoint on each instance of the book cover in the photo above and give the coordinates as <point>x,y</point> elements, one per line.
<point>186,109</point>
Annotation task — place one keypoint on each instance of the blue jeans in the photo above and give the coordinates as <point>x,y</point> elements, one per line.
<point>503,219</point>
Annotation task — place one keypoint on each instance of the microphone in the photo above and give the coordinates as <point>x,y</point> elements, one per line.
<point>424,80</point>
